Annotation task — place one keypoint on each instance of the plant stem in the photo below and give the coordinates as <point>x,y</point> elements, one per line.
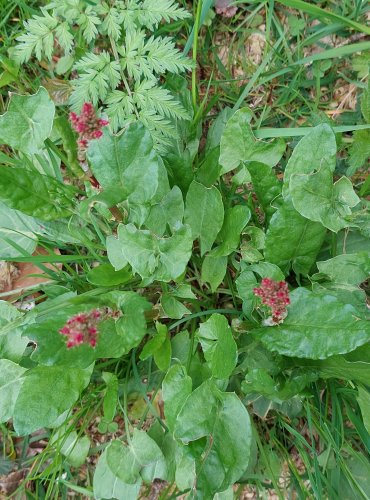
<point>195,53</point>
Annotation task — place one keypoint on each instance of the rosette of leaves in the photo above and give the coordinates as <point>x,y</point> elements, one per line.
<point>117,57</point>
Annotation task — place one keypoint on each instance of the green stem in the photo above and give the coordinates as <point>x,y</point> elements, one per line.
<point>195,53</point>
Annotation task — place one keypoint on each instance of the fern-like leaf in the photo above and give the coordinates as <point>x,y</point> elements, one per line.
<point>98,76</point>
<point>89,21</point>
<point>64,37</point>
<point>120,109</point>
<point>39,38</point>
<point>151,12</point>
<point>147,95</point>
<point>112,22</point>
<point>162,56</point>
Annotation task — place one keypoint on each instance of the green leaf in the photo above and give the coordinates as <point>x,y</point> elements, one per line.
<point>141,457</point>
<point>218,346</point>
<point>107,485</point>
<point>363,400</point>
<point>245,284</point>
<point>316,197</point>
<point>28,121</point>
<point>105,275</point>
<point>213,270</point>
<point>159,346</point>
<point>75,449</point>
<point>115,254</point>
<point>176,387</point>
<point>318,325</point>
<point>238,144</point>
<point>222,419</point>
<point>236,218</point>
<point>169,211</point>
<point>127,161</point>
<point>314,151</point>
<point>204,212</point>
<point>266,186</point>
<point>114,339</point>
<point>46,393</point>
<point>351,269</point>
<point>359,152</point>
<point>10,383</point>
<point>209,171</point>
<point>131,327</point>
<point>292,240</point>
<point>35,194</point>
<point>17,228</point>
<point>12,343</point>
<point>154,258</point>
<point>172,307</point>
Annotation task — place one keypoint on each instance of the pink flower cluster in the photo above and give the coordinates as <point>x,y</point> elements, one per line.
<point>275,295</point>
<point>82,329</point>
<point>88,126</point>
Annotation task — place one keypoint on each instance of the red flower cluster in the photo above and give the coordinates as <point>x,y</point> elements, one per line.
<point>82,329</point>
<point>88,126</point>
<point>275,295</point>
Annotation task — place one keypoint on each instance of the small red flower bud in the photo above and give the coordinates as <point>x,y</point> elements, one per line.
<point>275,295</point>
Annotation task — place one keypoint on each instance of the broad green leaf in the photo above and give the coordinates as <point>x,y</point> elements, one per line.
<point>292,240</point>
<point>318,325</point>
<point>236,218</point>
<point>154,258</point>
<point>74,448</point>
<point>218,345</point>
<point>183,291</point>
<point>238,144</point>
<point>267,270</point>
<point>169,211</point>
<point>27,122</point>
<point>35,194</point>
<point>266,186</point>
<point>352,366</point>
<point>213,270</point>
<point>176,387</point>
<point>159,347</point>
<point>351,269</point>
<point>252,245</point>
<point>155,342</point>
<point>10,383</point>
<point>127,161</point>
<point>222,419</point>
<point>51,345</point>
<point>131,327</point>
<point>46,393</point>
<point>105,275</point>
<point>245,283</point>
<point>12,343</point>
<point>261,382</point>
<point>314,151</point>
<point>107,485</point>
<point>115,254</point>
<point>142,457</point>
<point>172,307</point>
<point>316,197</point>
<point>363,400</point>
<point>204,212</point>
<point>17,227</point>
<point>209,171</point>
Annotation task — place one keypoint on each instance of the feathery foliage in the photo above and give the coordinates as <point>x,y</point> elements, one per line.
<point>122,61</point>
